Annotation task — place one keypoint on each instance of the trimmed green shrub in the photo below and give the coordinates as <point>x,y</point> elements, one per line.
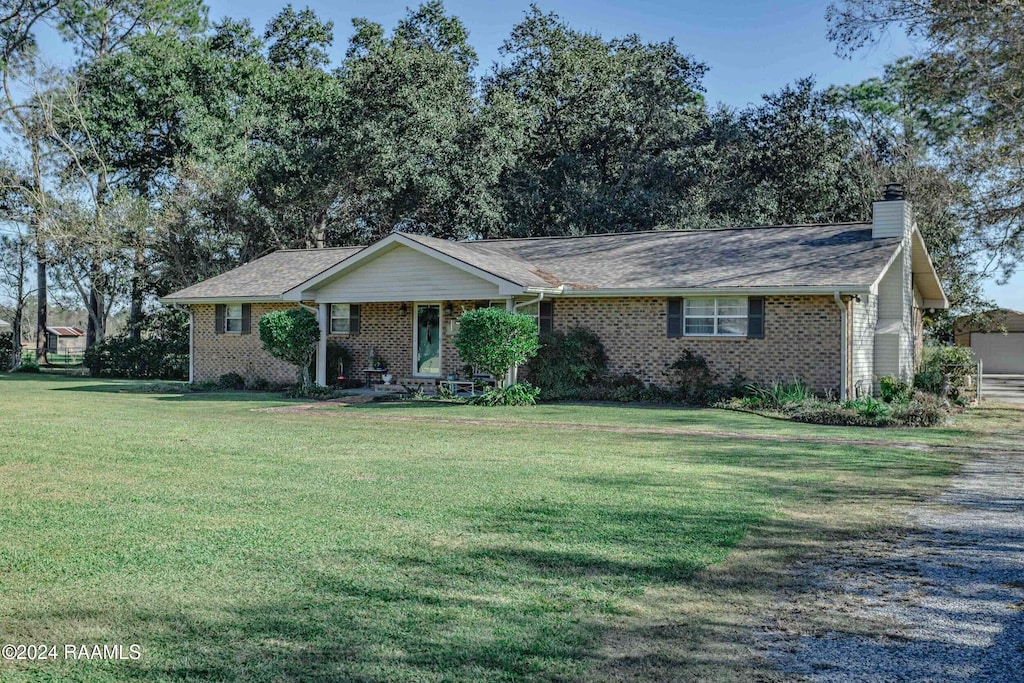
<point>566,364</point>
<point>519,394</point>
<point>894,390</point>
<point>162,353</point>
<point>292,336</point>
<point>496,340</point>
<point>149,358</point>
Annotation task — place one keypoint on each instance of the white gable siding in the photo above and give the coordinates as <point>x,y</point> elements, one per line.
<point>906,341</point>
<point>887,354</point>
<point>865,315</point>
<point>404,274</point>
<point>894,345</point>
<point>890,297</point>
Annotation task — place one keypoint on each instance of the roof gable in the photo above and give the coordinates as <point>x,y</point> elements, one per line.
<point>400,272</point>
<point>367,256</point>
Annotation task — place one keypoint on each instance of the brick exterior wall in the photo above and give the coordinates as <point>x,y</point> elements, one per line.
<point>801,339</point>
<point>217,354</point>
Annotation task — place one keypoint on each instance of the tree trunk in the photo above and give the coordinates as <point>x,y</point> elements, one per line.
<point>15,358</point>
<point>317,238</point>
<point>42,296</point>
<point>19,310</point>
<point>41,300</point>
<point>138,294</point>
<point>94,332</point>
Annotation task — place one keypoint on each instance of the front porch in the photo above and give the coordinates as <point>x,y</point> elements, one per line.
<point>411,343</point>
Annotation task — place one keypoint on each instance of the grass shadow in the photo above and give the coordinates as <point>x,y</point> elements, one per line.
<point>169,391</point>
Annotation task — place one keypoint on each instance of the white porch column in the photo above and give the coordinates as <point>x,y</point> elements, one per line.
<point>321,347</point>
<point>191,345</point>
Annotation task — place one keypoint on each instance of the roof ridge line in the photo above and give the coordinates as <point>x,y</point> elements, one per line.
<point>278,251</point>
<point>661,232</point>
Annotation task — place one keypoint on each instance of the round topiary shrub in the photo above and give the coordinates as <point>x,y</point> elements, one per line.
<point>292,336</point>
<point>496,340</point>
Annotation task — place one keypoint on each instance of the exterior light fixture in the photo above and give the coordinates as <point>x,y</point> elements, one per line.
<point>448,309</point>
<point>403,309</point>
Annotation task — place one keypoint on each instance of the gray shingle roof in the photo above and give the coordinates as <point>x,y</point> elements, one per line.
<point>792,256</point>
<point>789,256</point>
<point>833,255</point>
<point>267,277</point>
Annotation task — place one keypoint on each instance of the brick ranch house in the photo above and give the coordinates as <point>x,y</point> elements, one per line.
<point>835,305</point>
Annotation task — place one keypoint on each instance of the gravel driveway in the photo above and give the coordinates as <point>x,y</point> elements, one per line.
<point>943,603</point>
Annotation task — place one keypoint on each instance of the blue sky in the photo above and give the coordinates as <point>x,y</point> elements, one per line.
<point>751,46</point>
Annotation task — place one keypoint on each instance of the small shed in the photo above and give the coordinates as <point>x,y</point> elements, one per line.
<point>997,341</point>
<point>65,340</point>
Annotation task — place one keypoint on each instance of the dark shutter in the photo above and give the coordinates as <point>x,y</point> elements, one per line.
<point>755,317</point>
<point>246,318</point>
<point>546,319</point>
<point>353,318</point>
<point>675,317</point>
<point>218,319</point>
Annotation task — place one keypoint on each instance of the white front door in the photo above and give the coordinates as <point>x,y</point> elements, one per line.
<point>426,336</point>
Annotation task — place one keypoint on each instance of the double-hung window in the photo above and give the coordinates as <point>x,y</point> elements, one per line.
<point>344,318</point>
<point>233,318</point>
<point>716,317</point>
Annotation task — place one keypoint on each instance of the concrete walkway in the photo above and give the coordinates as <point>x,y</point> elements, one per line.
<point>945,603</point>
<point>1003,388</point>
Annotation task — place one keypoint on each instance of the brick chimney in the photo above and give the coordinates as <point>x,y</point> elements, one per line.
<point>891,217</point>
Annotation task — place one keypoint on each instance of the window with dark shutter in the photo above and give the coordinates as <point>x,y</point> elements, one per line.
<point>246,318</point>
<point>218,319</point>
<point>546,319</point>
<point>755,317</point>
<point>675,318</point>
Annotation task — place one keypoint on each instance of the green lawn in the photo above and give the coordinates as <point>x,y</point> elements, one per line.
<point>234,544</point>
